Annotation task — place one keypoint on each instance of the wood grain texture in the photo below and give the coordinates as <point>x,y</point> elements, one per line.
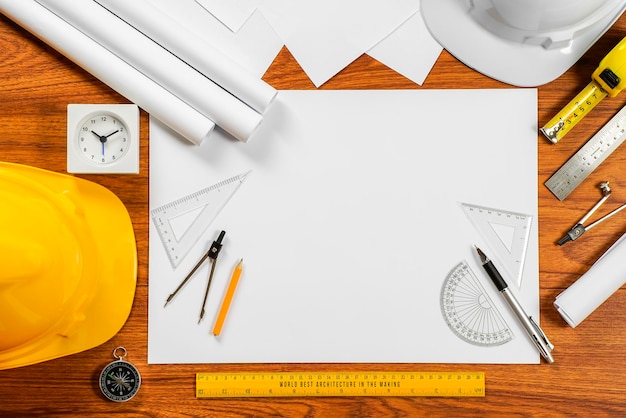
<point>36,84</point>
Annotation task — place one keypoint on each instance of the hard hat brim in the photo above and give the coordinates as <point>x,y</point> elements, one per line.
<point>515,63</point>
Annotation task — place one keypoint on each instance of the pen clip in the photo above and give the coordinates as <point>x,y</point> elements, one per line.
<point>541,333</point>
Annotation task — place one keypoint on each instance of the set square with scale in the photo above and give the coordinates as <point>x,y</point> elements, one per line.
<point>181,223</point>
<point>465,305</point>
<point>506,234</point>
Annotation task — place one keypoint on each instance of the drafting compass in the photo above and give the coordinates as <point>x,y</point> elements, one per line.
<point>580,228</point>
<point>119,380</point>
<point>212,253</point>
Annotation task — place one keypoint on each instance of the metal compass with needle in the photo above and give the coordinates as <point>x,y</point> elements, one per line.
<point>580,228</point>
<point>212,253</point>
<point>119,380</point>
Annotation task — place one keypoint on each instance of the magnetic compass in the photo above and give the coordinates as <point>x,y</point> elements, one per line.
<point>120,380</point>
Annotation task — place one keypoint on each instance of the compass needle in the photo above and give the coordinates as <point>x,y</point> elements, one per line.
<point>120,380</point>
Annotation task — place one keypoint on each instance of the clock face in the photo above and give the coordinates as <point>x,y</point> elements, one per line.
<point>120,381</point>
<point>103,138</point>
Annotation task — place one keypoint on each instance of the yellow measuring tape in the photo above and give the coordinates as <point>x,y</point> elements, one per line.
<point>607,80</point>
<point>300,384</point>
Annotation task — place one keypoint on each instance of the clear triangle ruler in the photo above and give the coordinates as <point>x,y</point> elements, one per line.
<point>506,233</point>
<point>181,223</point>
<point>468,310</point>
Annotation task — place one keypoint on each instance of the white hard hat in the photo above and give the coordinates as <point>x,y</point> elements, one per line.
<point>520,42</point>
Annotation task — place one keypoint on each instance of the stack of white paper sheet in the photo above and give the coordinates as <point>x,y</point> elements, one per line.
<point>325,36</point>
<point>348,224</point>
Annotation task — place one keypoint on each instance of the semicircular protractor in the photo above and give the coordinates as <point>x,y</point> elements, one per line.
<point>468,310</point>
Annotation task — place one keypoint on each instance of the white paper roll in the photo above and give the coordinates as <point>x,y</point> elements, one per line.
<point>108,68</point>
<point>195,51</point>
<point>587,293</point>
<point>228,112</point>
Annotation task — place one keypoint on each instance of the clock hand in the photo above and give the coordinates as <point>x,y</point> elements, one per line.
<point>104,138</point>
<point>98,136</point>
<point>114,132</point>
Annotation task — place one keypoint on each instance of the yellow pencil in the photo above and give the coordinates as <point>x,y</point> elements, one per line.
<point>228,297</point>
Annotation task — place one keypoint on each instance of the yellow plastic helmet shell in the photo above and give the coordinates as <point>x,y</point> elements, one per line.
<point>69,265</point>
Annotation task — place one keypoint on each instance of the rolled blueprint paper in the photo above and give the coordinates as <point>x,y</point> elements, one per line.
<point>587,293</point>
<point>108,68</point>
<point>195,51</point>
<point>149,58</point>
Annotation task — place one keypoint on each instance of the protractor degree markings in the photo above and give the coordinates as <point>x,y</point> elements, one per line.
<point>468,310</point>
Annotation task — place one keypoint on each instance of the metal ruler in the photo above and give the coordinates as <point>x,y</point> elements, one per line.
<point>468,310</point>
<point>377,383</point>
<point>203,206</point>
<point>589,156</point>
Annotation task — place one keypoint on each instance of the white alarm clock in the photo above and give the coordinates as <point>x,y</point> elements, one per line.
<point>103,138</point>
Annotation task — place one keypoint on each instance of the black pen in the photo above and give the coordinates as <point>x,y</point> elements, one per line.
<point>530,326</point>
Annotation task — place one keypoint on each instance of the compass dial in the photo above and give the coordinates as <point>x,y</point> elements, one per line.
<point>120,381</point>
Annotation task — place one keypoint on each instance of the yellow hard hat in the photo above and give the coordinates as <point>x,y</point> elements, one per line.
<point>68,265</point>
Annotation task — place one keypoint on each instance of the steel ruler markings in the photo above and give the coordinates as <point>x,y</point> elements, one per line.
<point>589,156</point>
<point>507,234</point>
<point>302,384</point>
<point>204,205</point>
<point>468,310</point>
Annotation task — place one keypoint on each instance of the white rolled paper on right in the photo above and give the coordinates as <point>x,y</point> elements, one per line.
<point>594,287</point>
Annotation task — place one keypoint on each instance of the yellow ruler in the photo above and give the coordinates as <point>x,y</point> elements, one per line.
<point>300,384</point>
<point>573,112</point>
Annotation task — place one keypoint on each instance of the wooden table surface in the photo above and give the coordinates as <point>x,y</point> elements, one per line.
<point>36,84</point>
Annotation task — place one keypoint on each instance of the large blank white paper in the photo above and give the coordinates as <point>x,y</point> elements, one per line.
<point>348,225</point>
